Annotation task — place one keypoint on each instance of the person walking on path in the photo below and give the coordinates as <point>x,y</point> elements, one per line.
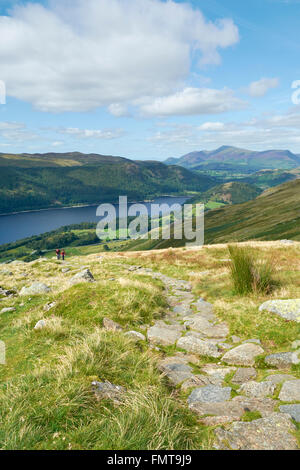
<point>63,254</point>
<point>57,253</point>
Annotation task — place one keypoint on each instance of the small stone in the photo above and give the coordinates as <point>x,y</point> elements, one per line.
<point>257,389</point>
<point>83,276</point>
<point>177,372</point>
<point>296,344</point>
<point>49,306</point>
<point>106,390</point>
<point>243,355</point>
<point>243,375</point>
<point>217,372</point>
<point>209,330</point>
<point>287,309</point>
<point>135,335</point>
<point>111,325</point>
<point>164,334</point>
<point>8,310</point>
<point>254,341</point>
<point>197,381</point>
<point>292,410</point>
<point>35,289</point>
<point>290,391</point>
<point>278,378</point>
<point>40,325</point>
<point>283,360</point>
<point>210,394</point>
<point>198,346</point>
<point>270,433</point>
<point>65,270</point>
<point>236,339</point>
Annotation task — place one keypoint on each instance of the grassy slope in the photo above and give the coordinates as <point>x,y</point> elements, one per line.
<point>40,182</point>
<point>234,192</point>
<point>45,393</point>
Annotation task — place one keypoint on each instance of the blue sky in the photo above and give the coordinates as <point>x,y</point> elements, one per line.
<point>149,79</point>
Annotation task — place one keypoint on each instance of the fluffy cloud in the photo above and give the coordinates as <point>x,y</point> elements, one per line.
<point>261,87</point>
<point>106,134</point>
<point>194,101</point>
<point>84,54</point>
<point>16,132</point>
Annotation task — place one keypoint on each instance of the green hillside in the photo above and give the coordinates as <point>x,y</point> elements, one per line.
<point>234,192</point>
<point>54,180</point>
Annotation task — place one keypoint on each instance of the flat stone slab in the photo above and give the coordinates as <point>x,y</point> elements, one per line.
<point>287,309</point>
<point>176,372</point>
<point>216,371</point>
<point>198,346</point>
<point>210,394</point>
<point>257,389</point>
<point>290,391</point>
<point>206,328</point>
<point>243,355</point>
<point>292,410</point>
<point>271,433</point>
<point>135,335</point>
<point>163,334</point>
<point>243,375</point>
<point>278,378</point>
<point>197,381</point>
<point>283,360</point>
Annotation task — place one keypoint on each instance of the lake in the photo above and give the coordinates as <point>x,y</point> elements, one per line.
<point>14,227</point>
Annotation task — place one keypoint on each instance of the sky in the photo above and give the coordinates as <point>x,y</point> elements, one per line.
<point>149,79</point>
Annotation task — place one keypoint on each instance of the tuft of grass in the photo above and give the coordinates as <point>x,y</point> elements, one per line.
<point>250,275</point>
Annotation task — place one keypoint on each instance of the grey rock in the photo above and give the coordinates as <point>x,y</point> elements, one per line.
<point>83,276</point>
<point>109,391</point>
<point>243,355</point>
<point>197,381</point>
<point>290,391</point>
<point>204,326</point>
<point>292,410</point>
<point>243,375</point>
<point>282,360</point>
<point>49,306</point>
<point>198,346</point>
<point>210,394</point>
<point>41,324</point>
<point>177,372</point>
<point>164,334</point>
<point>8,310</point>
<point>111,325</point>
<point>6,292</point>
<point>254,341</point>
<point>217,372</point>
<point>278,378</point>
<point>236,339</point>
<point>65,270</point>
<point>35,289</point>
<point>287,242</point>
<point>135,335</point>
<point>296,344</point>
<point>257,389</point>
<point>270,433</point>
<point>287,309</point>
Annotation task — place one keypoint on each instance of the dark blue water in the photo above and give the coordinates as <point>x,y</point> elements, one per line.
<point>17,226</point>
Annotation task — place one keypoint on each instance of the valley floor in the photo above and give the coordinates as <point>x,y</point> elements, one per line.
<point>47,400</point>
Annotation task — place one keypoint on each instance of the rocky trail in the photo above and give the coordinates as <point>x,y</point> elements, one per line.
<point>193,328</point>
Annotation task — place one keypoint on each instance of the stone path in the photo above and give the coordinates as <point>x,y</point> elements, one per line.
<point>193,328</point>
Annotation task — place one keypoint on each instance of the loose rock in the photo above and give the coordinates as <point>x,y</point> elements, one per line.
<point>243,375</point>
<point>282,360</point>
<point>243,355</point>
<point>292,410</point>
<point>111,325</point>
<point>135,335</point>
<point>287,309</point>
<point>106,390</point>
<point>257,389</point>
<point>35,289</point>
<point>83,276</point>
<point>210,394</point>
<point>290,391</point>
<point>198,346</point>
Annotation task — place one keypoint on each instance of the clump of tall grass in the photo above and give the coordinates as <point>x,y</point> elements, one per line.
<point>248,273</point>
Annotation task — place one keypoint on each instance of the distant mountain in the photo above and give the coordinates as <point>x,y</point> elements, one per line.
<point>232,158</point>
<point>39,181</point>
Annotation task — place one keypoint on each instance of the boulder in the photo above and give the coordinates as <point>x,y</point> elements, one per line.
<point>243,375</point>
<point>198,346</point>
<point>37,288</point>
<point>210,394</point>
<point>292,410</point>
<point>290,391</point>
<point>283,360</point>
<point>270,433</point>
<point>287,309</point>
<point>83,276</point>
<point>243,355</point>
<point>254,389</point>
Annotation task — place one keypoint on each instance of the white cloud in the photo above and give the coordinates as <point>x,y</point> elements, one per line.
<point>118,110</point>
<point>84,54</point>
<point>212,126</point>
<point>261,87</point>
<point>192,101</point>
<point>106,134</point>
<point>16,131</point>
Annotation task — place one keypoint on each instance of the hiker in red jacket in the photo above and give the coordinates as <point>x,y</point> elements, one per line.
<point>63,254</point>
<point>57,253</point>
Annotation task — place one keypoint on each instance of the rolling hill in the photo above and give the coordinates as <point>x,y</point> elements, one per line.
<point>31,182</point>
<point>234,192</point>
<point>233,159</point>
